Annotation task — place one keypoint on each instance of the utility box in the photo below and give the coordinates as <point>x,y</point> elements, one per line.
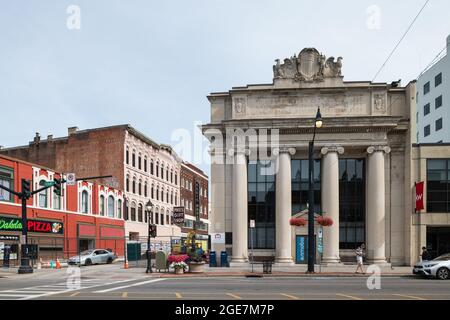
<point>133,251</point>
<point>212,259</point>
<point>224,259</point>
<point>161,261</point>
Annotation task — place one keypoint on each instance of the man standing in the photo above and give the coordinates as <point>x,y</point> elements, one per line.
<point>425,254</point>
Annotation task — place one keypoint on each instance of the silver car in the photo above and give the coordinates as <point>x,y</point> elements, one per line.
<point>438,268</point>
<point>95,256</point>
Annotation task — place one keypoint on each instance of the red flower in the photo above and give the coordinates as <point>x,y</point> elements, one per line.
<point>177,258</point>
<point>298,222</point>
<point>325,221</point>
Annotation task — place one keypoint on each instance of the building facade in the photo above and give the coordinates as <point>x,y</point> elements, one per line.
<point>86,215</point>
<point>433,106</point>
<point>363,177</point>
<point>144,169</point>
<point>194,199</point>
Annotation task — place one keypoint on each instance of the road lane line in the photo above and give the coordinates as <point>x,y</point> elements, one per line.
<point>348,296</point>
<point>131,285</point>
<point>234,296</point>
<point>75,294</point>
<point>408,296</point>
<point>290,296</point>
<point>125,295</point>
<point>179,296</point>
<point>13,295</point>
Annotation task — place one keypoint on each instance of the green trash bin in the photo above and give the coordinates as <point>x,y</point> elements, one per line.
<point>133,251</point>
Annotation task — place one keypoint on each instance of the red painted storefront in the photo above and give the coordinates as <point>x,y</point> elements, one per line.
<point>79,229</point>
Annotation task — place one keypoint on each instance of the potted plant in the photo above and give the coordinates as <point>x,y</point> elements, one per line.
<point>298,222</point>
<point>324,221</point>
<point>177,262</point>
<point>179,267</point>
<point>196,263</point>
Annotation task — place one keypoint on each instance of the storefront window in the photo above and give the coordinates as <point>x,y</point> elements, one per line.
<point>438,185</point>
<point>111,207</point>
<point>56,202</point>
<point>6,180</point>
<point>261,204</point>
<point>133,211</point>
<point>352,217</point>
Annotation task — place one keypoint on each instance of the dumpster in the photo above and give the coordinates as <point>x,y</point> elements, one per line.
<point>224,259</point>
<point>212,259</point>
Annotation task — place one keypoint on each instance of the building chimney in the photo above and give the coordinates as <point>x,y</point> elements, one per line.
<point>72,130</point>
<point>50,137</point>
<point>37,138</point>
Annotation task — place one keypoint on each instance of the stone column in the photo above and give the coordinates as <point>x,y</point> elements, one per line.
<point>239,208</point>
<point>283,209</point>
<point>376,252</point>
<point>217,178</point>
<point>330,202</point>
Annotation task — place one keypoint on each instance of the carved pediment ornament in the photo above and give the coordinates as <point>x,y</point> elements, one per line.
<point>310,65</point>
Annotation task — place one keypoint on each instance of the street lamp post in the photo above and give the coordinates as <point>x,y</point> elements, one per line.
<point>149,208</point>
<point>311,244</point>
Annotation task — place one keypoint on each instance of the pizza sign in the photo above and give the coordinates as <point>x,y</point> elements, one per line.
<point>41,226</point>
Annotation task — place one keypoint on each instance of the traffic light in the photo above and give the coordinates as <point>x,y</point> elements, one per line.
<point>26,191</point>
<point>57,186</point>
<point>152,230</point>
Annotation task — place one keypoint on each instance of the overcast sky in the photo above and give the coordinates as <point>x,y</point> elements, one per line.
<point>151,63</point>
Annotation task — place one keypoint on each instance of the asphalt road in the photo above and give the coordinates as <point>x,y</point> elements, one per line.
<point>96,284</point>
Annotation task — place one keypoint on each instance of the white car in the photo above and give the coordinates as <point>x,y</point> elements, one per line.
<point>438,268</point>
<point>90,257</point>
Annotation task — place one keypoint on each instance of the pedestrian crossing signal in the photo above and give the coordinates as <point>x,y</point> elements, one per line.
<point>57,186</point>
<point>152,230</point>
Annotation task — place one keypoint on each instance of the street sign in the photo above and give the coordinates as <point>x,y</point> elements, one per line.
<point>252,223</point>
<point>218,238</point>
<point>71,179</point>
<point>178,215</point>
<point>45,183</point>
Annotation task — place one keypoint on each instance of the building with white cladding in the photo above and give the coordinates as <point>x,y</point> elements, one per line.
<point>366,167</point>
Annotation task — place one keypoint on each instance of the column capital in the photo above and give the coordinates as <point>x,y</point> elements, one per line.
<point>378,148</point>
<point>238,151</point>
<point>280,150</point>
<point>328,149</point>
<point>213,151</point>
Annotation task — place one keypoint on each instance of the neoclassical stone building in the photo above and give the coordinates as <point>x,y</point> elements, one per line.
<point>362,171</point>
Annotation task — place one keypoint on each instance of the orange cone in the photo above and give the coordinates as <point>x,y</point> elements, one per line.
<point>58,264</point>
<point>126,264</point>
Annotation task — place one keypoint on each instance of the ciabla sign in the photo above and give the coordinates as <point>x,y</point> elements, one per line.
<point>178,215</point>
<point>41,226</point>
<point>419,196</point>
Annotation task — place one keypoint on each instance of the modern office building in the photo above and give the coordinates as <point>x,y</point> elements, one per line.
<point>433,101</point>
<point>365,167</point>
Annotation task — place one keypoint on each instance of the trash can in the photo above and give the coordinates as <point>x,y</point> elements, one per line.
<point>212,259</point>
<point>224,259</point>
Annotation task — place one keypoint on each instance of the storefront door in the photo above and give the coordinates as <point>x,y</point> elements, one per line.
<point>438,240</point>
<point>86,244</point>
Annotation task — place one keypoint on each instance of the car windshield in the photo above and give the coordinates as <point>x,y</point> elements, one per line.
<point>87,252</point>
<point>443,257</point>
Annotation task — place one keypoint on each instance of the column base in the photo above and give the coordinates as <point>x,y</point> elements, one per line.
<point>283,262</point>
<point>379,262</point>
<point>330,261</point>
<point>239,263</point>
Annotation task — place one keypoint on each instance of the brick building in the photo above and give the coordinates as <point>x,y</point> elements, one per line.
<point>194,198</point>
<point>87,215</point>
<point>144,169</point>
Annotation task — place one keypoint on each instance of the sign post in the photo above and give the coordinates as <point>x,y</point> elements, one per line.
<point>252,227</point>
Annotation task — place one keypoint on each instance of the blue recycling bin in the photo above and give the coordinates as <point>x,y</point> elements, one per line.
<point>212,259</point>
<point>224,259</point>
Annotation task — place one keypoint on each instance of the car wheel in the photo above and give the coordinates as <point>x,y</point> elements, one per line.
<point>110,260</point>
<point>88,262</point>
<point>443,274</point>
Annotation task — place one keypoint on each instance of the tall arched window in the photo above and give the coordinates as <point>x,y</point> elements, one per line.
<point>168,216</point>
<point>127,210</point>
<point>102,205</point>
<point>152,194</point>
<point>171,198</point>
<point>151,167</point>
<point>133,159</point>
<point>145,189</point>
<point>127,156</point>
<point>176,178</point>
<point>139,161</point>
<point>162,172</point>
<point>157,169</point>
<point>167,196</point>
<point>111,207</point>
<point>134,185</point>
<point>157,216</point>
<point>133,211</point>
<point>140,187</point>
<point>167,174</point>
<point>119,209</point>
<point>140,212</point>
<point>145,163</point>
<point>162,216</point>
<point>127,183</point>
<point>43,198</point>
<point>176,199</point>
<point>84,201</point>
<point>157,193</point>
<point>171,176</point>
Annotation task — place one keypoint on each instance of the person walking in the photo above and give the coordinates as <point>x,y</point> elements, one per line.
<point>425,254</point>
<point>360,258</point>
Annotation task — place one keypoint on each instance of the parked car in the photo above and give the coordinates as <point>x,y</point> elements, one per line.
<point>438,268</point>
<point>95,256</point>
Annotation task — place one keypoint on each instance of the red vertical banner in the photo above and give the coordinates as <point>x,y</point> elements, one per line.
<point>419,196</point>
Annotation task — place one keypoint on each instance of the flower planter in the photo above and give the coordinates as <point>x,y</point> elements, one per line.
<point>179,271</point>
<point>196,267</point>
